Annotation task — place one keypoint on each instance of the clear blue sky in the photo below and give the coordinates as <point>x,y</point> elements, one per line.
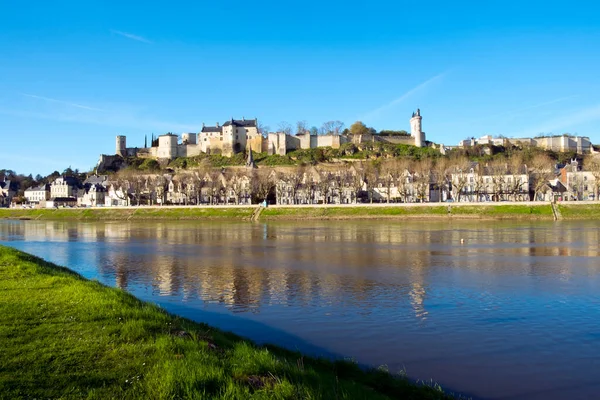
<point>73,74</point>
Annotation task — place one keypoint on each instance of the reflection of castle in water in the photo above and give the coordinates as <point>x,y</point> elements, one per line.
<point>249,266</point>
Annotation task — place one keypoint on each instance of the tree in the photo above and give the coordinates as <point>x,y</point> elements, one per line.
<point>460,169</point>
<point>371,178</point>
<point>284,127</point>
<point>301,127</point>
<point>262,183</point>
<point>440,170</point>
<point>497,170</point>
<point>314,130</point>
<point>423,179</point>
<point>516,169</point>
<point>592,164</point>
<point>263,129</point>
<point>358,128</point>
<point>332,128</point>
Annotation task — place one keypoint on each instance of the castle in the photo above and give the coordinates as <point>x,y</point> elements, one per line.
<point>237,135</point>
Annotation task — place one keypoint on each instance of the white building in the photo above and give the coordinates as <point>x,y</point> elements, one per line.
<point>64,186</point>
<point>38,194</point>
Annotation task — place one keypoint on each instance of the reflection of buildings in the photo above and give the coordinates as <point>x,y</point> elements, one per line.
<point>358,266</point>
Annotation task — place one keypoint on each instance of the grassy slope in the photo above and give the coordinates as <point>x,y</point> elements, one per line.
<point>505,211</point>
<point>494,211</point>
<point>106,214</point>
<point>579,211</point>
<point>64,336</point>
<point>352,212</point>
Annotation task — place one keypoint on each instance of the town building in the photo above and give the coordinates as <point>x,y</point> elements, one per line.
<point>558,143</point>
<point>579,184</point>
<point>8,190</point>
<point>38,195</point>
<point>477,183</point>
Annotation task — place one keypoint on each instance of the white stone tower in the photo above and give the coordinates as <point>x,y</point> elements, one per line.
<point>121,146</point>
<point>415,129</point>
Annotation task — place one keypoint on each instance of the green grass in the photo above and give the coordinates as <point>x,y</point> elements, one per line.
<point>579,211</point>
<point>351,212</point>
<point>506,210</point>
<point>63,336</point>
<point>108,214</point>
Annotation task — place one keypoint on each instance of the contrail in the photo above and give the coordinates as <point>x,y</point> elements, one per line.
<point>60,102</point>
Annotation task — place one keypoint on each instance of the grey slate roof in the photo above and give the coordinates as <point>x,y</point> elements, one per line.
<point>45,187</point>
<point>212,129</point>
<point>246,123</point>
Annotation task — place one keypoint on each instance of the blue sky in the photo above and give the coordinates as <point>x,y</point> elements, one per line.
<point>74,74</point>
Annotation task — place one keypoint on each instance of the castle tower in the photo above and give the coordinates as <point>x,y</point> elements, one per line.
<point>415,128</point>
<point>121,146</point>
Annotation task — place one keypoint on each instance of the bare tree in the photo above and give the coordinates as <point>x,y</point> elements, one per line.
<point>262,183</point>
<point>215,185</point>
<point>423,179</point>
<point>263,129</point>
<point>542,171</point>
<point>371,174</point>
<point>237,183</point>
<point>301,127</point>
<point>332,128</point>
<point>284,127</point>
<point>323,185</point>
<point>497,170</point>
<point>440,171</point>
<point>592,164</point>
<point>516,170</point>
<point>460,170</point>
<point>358,179</point>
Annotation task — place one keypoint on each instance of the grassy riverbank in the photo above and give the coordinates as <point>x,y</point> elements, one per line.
<point>579,211</point>
<point>533,211</point>
<point>134,213</point>
<point>64,336</point>
<point>436,211</point>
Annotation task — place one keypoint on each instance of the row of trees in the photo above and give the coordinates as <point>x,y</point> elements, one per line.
<point>389,180</point>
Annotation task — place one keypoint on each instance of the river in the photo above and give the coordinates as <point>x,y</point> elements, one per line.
<point>495,310</point>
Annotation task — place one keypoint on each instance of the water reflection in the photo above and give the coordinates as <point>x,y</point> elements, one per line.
<point>501,313</point>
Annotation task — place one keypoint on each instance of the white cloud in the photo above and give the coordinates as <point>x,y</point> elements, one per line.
<point>131,36</point>
<point>376,112</point>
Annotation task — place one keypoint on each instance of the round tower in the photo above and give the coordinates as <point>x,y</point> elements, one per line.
<point>415,128</point>
<point>121,146</point>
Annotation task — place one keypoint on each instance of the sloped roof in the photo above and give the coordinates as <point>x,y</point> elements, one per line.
<point>246,123</point>
<point>211,129</point>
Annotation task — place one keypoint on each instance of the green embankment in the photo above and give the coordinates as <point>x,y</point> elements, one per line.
<point>433,210</point>
<point>63,336</point>
<point>352,212</point>
<point>579,211</point>
<point>108,214</point>
<point>504,211</point>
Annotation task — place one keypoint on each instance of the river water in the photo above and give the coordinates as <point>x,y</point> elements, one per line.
<point>510,312</point>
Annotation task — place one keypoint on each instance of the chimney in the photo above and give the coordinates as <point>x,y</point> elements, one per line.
<point>243,119</point>
<point>203,124</point>
<point>217,124</point>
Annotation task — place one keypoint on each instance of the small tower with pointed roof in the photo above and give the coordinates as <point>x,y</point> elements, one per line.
<point>250,161</point>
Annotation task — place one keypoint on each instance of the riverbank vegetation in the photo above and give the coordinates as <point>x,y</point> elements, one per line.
<point>432,210</point>
<point>66,337</point>
<point>130,214</point>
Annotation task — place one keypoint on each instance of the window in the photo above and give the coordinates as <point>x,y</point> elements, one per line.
<point>221,139</point>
